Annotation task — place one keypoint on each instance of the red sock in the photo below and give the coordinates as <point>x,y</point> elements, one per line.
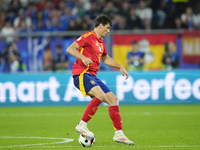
<point>91,109</point>
<point>115,117</point>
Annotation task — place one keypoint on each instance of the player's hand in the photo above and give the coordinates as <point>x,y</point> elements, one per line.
<point>87,61</point>
<point>124,72</point>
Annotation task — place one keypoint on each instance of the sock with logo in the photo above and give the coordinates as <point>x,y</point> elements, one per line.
<point>115,117</point>
<point>91,109</point>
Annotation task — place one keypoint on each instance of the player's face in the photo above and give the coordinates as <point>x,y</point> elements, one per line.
<point>105,30</point>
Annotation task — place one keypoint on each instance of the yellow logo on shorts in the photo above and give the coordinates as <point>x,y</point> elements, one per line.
<point>92,82</point>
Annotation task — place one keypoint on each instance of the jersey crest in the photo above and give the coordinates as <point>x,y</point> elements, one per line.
<point>100,48</point>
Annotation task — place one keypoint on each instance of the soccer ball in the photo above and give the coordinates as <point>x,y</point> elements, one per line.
<point>85,141</point>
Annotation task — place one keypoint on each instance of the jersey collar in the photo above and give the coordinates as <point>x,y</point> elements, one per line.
<point>100,40</point>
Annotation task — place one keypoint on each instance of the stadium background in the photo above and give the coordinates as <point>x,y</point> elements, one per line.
<point>35,86</point>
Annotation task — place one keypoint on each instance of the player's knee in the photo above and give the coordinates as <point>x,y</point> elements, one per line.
<point>112,101</point>
<point>102,97</point>
<point>115,101</point>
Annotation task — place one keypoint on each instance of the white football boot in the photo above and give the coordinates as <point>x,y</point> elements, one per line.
<point>121,138</point>
<point>82,128</point>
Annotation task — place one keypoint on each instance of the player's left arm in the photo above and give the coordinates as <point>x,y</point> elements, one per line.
<point>112,63</point>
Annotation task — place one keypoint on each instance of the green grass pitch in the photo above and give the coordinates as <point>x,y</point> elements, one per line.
<point>157,127</point>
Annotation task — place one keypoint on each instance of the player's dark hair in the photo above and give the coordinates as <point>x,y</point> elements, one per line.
<point>102,19</point>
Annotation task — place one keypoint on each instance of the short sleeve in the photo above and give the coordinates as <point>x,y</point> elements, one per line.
<point>105,50</point>
<point>82,41</point>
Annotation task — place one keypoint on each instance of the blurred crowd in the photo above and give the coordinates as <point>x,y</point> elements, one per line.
<point>21,16</point>
<point>10,60</point>
<point>140,55</point>
<point>24,16</point>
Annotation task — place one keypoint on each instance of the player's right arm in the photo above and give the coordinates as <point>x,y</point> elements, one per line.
<point>72,49</point>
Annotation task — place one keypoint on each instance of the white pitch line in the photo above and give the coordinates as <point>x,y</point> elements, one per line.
<point>164,146</point>
<point>64,140</point>
<point>37,114</point>
<point>75,114</point>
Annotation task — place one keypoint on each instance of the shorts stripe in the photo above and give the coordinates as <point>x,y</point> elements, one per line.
<point>82,50</point>
<point>81,85</point>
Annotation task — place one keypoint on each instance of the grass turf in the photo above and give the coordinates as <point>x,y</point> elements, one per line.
<point>157,127</point>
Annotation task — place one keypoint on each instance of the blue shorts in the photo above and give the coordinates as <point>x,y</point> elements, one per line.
<point>85,82</point>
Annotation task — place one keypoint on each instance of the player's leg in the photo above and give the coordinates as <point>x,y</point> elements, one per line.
<point>115,116</point>
<point>88,83</point>
<point>91,109</point>
<point>104,94</point>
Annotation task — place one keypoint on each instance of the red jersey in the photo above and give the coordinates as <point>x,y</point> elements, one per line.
<point>92,47</point>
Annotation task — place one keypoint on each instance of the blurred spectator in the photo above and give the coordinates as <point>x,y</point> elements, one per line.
<point>4,5</point>
<point>59,62</point>
<point>84,25</point>
<point>144,47</point>
<point>189,18</point>
<point>180,6</point>
<point>2,19</point>
<point>14,7</point>
<point>7,32</point>
<point>40,26</point>
<point>65,18</point>
<point>120,23</point>
<point>160,10</point>
<point>54,27</point>
<point>101,4</point>
<point>134,2</point>
<point>170,57</point>
<point>12,10</point>
<point>14,48</point>
<point>110,10</point>
<point>24,3</point>
<point>47,64</point>
<point>124,9</point>
<point>86,4</point>
<point>40,5</point>
<point>135,57</point>
<point>198,20</point>
<point>6,59</point>
<point>61,7</point>
<point>1,63</point>
<point>93,12</point>
<point>197,11</point>
<point>23,29</point>
<point>31,11</point>
<point>39,16</point>
<point>154,14</point>
<point>22,19</point>
<point>178,24</point>
<point>55,24</point>
<point>134,22</point>
<point>56,3</point>
<point>78,10</point>
<point>48,9</point>
<point>16,63</point>
<point>81,24</point>
<point>72,27</point>
<point>145,14</point>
